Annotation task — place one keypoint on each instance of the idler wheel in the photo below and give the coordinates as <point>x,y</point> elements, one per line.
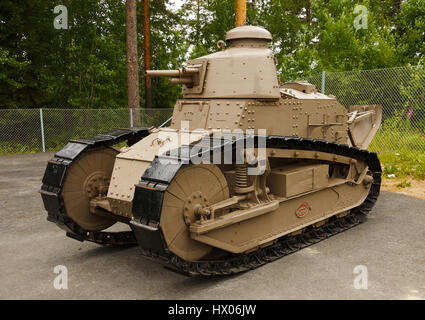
<point>192,189</point>
<point>87,178</point>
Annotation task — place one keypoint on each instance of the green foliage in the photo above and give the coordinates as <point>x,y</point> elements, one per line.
<point>168,50</point>
<point>341,47</point>
<point>403,184</point>
<point>414,93</point>
<point>410,30</point>
<point>400,149</point>
<point>85,66</point>
<point>395,138</point>
<point>11,65</point>
<point>403,164</point>
<point>12,148</point>
<point>206,22</point>
<point>397,123</point>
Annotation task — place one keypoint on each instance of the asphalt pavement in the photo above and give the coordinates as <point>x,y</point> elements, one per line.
<point>387,253</point>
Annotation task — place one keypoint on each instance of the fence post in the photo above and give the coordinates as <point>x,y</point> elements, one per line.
<point>323,81</point>
<point>131,117</point>
<point>42,130</point>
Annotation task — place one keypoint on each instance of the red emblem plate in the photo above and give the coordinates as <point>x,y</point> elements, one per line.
<point>302,210</point>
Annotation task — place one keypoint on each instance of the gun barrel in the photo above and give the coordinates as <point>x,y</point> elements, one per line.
<point>181,80</point>
<point>163,73</point>
<point>181,72</point>
<point>186,75</point>
<point>190,70</point>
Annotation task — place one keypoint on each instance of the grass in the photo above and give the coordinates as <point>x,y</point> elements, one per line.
<point>402,154</point>
<point>388,140</point>
<point>404,184</point>
<point>403,164</point>
<point>14,148</point>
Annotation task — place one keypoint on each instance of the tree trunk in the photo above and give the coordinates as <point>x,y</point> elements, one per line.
<point>132,62</point>
<point>308,11</point>
<point>147,56</point>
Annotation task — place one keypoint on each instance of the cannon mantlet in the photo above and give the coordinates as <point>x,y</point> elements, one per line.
<point>190,76</point>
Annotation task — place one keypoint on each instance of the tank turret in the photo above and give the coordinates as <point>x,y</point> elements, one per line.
<point>245,68</point>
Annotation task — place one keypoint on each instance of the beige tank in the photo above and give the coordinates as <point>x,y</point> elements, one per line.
<point>249,169</point>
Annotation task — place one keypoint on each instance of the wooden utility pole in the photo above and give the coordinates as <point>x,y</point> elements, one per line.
<point>132,63</point>
<point>240,12</point>
<point>147,55</point>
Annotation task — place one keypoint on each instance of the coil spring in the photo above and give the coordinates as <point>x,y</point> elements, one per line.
<point>241,177</point>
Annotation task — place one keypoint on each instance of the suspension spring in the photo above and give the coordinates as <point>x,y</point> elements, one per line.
<point>241,177</point>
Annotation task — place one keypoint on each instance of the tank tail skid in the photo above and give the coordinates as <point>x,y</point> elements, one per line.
<point>363,123</point>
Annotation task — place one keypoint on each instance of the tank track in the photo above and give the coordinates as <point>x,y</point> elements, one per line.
<point>236,263</point>
<point>55,175</point>
<point>56,172</point>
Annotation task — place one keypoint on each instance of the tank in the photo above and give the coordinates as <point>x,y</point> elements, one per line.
<point>248,170</point>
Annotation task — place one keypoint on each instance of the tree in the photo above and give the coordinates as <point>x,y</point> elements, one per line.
<point>410,30</point>
<point>132,61</point>
<point>85,66</point>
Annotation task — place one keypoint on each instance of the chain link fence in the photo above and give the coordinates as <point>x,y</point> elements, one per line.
<point>400,91</point>
<point>36,130</point>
